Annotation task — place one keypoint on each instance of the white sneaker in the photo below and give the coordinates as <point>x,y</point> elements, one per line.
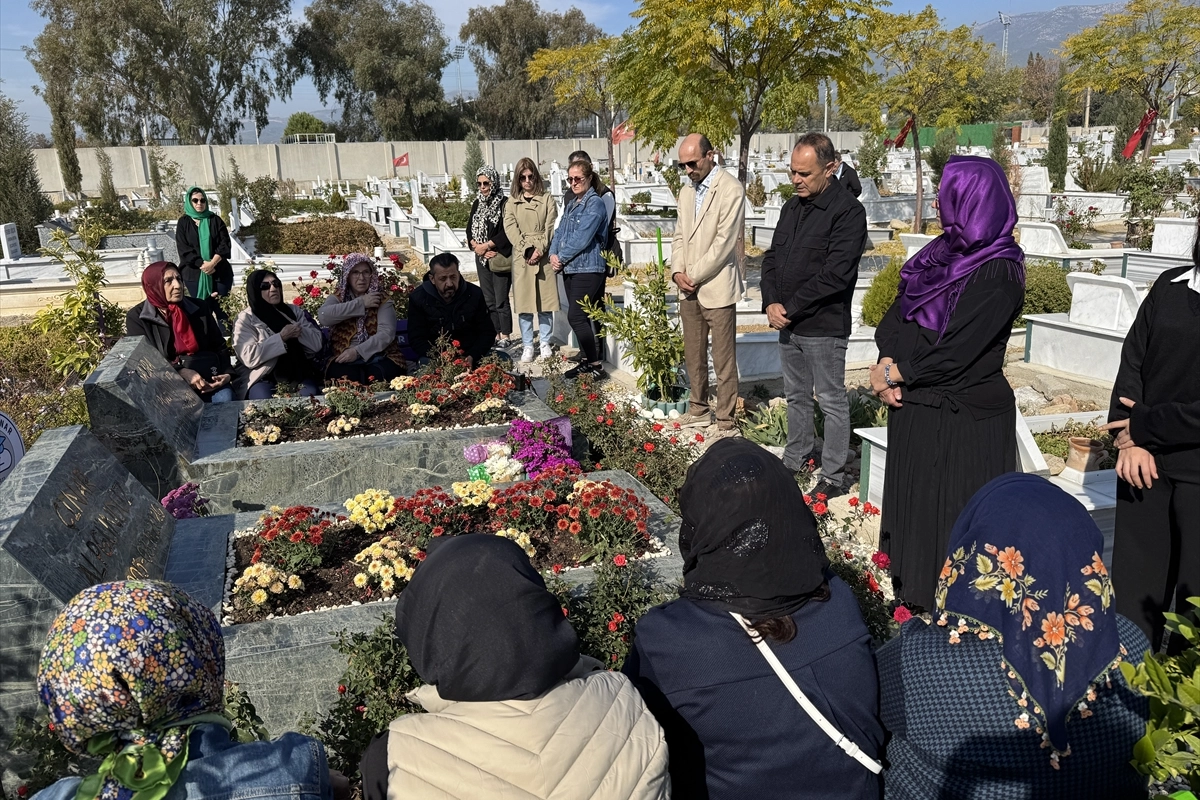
<point>546,352</point>
<point>527,355</point>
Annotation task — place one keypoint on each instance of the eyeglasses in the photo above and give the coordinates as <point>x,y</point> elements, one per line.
<point>199,201</point>
<point>527,177</point>
<point>688,164</point>
<point>575,179</point>
<point>265,285</point>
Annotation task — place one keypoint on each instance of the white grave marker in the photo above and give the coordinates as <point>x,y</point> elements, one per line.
<point>1102,301</point>
<point>9,241</point>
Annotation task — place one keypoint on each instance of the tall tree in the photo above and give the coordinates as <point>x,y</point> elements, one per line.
<point>62,129</point>
<point>193,69</point>
<point>382,60</point>
<point>21,198</point>
<point>501,40</point>
<point>304,122</point>
<point>927,74</point>
<point>1056,152</point>
<point>1151,49</point>
<point>725,67</point>
<point>1038,85</point>
<point>579,77</point>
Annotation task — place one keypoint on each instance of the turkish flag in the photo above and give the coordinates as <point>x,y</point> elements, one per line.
<point>622,133</point>
<point>903,134</point>
<point>1132,145</point>
<point>400,161</point>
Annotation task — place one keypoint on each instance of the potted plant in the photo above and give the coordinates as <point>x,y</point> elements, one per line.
<point>655,341</point>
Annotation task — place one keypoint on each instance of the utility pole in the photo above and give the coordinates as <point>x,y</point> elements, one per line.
<point>826,106</point>
<point>1087,110</point>
<point>1005,20</point>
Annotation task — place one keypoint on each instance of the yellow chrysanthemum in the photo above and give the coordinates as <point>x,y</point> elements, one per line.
<point>360,580</point>
<point>259,597</point>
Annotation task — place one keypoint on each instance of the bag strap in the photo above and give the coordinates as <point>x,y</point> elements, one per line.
<point>840,739</point>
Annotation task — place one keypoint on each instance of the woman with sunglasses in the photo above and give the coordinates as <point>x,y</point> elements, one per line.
<point>275,340</point>
<point>493,251</point>
<point>576,253</point>
<point>529,218</point>
<point>204,250</point>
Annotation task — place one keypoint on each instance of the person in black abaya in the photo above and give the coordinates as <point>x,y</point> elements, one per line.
<point>952,421</point>
<point>513,708</point>
<point>1155,415</point>
<point>276,340</point>
<point>750,547</point>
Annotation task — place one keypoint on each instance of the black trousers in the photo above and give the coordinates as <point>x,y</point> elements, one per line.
<point>495,287</point>
<point>580,286</point>
<point>1156,555</point>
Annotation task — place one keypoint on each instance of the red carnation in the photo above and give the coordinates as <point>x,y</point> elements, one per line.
<point>557,568</point>
<point>612,626</point>
<point>609,407</point>
<point>618,616</point>
<point>853,501</point>
<point>901,614</point>
<point>313,291</point>
<point>619,559</point>
<point>648,447</point>
<point>341,688</point>
<point>656,427</point>
<point>819,508</point>
<point>822,496</point>
<point>881,560</point>
<point>455,343</point>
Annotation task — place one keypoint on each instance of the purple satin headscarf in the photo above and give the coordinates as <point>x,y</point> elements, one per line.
<point>978,214</point>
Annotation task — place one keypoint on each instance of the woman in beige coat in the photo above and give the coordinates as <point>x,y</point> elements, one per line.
<point>529,219</point>
<point>513,709</point>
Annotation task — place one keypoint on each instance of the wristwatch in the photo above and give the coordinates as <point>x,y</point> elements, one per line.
<point>887,376</point>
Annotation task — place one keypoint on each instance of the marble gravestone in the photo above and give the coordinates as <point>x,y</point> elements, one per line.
<point>144,413</point>
<point>9,242</point>
<point>71,516</point>
<point>1102,301</point>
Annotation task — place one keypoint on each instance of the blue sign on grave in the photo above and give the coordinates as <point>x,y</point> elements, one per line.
<point>12,447</point>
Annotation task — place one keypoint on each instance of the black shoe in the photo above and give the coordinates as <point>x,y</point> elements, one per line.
<point>830,490</point>
<point>586,371</point>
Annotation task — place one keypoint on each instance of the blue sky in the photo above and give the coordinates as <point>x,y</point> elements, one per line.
<point>19,24</point>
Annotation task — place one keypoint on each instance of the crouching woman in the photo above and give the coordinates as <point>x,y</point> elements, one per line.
<point>514,709</point>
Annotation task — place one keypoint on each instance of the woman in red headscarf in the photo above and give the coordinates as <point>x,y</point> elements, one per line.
<point>184,331</point>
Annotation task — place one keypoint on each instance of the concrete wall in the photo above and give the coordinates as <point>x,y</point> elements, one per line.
<point>355,161</point>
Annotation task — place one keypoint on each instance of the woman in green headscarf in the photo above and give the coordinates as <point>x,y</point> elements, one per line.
<point>204,249</point>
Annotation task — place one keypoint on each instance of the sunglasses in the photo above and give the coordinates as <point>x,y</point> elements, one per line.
<point>199,201</point>
<point>485,183</point>
<point>527,177</point>
<point>265,285</point>
<point>575,179</point>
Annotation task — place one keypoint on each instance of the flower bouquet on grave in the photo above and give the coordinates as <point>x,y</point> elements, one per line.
<point>311,294</point>
<point>493,462</point>
<point>540,446</point>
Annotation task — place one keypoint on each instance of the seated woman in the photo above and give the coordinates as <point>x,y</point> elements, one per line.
<point>185,331</point>
<point>275,340</point>
<point>161,731</point>
<point>513,709</point>
<point>204,251</point>
<point>750,548</point>
<point>1014,691</point>
<point>362,326</point>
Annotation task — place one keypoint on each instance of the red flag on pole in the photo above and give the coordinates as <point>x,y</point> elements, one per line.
<point>400,161</point>
<point>903,134</point>
<point>622,133</point>
<point>1132,144</point>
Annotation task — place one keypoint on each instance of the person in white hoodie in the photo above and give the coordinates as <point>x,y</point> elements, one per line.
<point>513,709</point>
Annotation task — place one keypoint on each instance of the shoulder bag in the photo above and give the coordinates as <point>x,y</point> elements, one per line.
<point>840,739</point>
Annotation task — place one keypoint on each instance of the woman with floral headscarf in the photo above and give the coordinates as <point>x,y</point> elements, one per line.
<point>133,673</point>
<point>1012,689</point>
<point>362,325</point>
<point>493,250</point>
<point>204,249</point>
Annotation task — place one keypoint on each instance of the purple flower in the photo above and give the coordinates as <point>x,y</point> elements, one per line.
<point>185,502</point>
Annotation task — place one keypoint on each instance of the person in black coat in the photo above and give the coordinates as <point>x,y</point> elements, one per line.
<point>1155,415</point>
<point>847,176</point>
<point>752,556</point>
<point>445,304</point>
<point>204,255</point>
<point>184,331</point>
<point>493,250</point>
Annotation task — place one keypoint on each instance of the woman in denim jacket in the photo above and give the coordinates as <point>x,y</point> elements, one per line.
<point>133,672</point>
<point>576,253</point>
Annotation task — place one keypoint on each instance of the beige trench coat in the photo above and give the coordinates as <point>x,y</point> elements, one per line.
<point>530,223</point>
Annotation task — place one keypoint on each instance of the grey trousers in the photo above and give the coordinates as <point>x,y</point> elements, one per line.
<point>816,364</point>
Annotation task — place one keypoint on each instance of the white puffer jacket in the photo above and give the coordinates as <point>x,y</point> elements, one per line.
<point>589,738</point>
<point>259,348</point>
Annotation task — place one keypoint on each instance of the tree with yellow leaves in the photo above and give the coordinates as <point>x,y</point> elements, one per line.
<point>927,73</point>
<point>1150,49</point>
<point>724,67</point>
<point>579,78</point>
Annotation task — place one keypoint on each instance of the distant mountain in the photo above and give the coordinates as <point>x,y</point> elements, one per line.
<point>1042,31</point>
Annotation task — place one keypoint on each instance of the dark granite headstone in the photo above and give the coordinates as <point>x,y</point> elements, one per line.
<point>70,517</point>
<point>144,413</point>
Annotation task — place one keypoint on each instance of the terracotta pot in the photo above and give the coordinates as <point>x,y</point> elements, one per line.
<point>1085,454</point>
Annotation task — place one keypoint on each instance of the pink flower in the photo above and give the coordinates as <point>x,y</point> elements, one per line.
<point>819,508</point>
<point>881,560</point>
<point>901,614</point>
<point>619,560</point>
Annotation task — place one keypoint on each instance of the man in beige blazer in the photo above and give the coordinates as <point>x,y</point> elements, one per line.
<point>704,267</point>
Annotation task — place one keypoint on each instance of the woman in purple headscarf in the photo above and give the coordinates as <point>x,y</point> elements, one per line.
<point>952,426</point>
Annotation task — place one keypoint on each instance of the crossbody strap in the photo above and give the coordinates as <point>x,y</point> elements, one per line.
<point>840,739</point>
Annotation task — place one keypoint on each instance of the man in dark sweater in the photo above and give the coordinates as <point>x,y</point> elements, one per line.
<point>808,277</point>
<point>446,304</point>
<point>1155,416</point>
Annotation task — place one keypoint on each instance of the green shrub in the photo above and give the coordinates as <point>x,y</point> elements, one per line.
<point>882,294</point>
<point>785,191</point>
<point>454,213</point>
<point>261,193</point>
<point>641,197</point>
<point>1046,290</point>
<point>320,236</point>
<point>756,193</point>
<point>36,398</point>
<point>672,178</point>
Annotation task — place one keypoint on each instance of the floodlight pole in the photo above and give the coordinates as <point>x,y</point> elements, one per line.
<point>1005,20</point>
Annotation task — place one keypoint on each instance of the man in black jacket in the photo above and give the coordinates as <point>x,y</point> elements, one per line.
<point>847,176</point>
<point>446,304</point>
<point>808,277</point>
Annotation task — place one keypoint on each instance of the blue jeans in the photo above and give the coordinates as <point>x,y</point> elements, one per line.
<point>222,396</point>
<point>545,322</point>
<point>265,389</point>
<point>816,364</point>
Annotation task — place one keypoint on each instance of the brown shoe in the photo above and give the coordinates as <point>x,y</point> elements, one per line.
<point>694,420</point>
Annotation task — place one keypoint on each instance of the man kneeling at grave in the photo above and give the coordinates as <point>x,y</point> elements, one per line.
<point>445,304</point>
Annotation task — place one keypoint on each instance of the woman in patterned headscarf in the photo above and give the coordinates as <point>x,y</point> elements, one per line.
<point>362,324</point>
<point>133,672</point>
<point>493,250</point>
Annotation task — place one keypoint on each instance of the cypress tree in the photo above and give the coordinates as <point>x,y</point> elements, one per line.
<point>21,198</point>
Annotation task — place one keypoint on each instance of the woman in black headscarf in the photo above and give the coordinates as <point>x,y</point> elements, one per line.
<point>750,548</point>
<point>274,340</point>
<point>514,709</point>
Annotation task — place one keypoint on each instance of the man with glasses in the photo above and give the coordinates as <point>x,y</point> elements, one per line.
<point>808,277</point>
<point>704,267</point>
